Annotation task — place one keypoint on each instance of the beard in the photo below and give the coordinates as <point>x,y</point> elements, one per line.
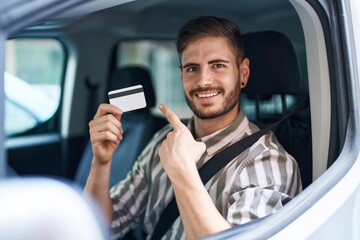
<point>231,99</point>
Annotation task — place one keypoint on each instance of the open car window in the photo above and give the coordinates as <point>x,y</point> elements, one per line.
<point>161,58</point>
<point>59,56</point>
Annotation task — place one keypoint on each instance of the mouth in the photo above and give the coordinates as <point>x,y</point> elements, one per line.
<point>207,94</point>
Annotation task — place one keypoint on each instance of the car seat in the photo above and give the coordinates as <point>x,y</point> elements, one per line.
<point>139,126</point>
<point>275,86</point>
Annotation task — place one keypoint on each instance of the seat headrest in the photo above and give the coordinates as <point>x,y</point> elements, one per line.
<point>134,75</point>
<point>273,65</point>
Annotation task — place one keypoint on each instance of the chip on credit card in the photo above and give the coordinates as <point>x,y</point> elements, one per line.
<point>128,99</point>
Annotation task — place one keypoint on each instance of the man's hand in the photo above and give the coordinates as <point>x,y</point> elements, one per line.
<point>105,135</point>
<point>105,132</point>
<point>178,155</point>
<point>179,151</point>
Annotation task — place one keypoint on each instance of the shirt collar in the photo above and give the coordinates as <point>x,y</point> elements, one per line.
<point>220,139</point>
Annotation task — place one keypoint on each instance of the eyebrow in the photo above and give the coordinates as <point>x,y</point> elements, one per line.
<point>218,61</point>
<point>210,62</point>
<point>190,65</point>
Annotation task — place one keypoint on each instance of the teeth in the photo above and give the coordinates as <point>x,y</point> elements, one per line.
<point>205,95</point>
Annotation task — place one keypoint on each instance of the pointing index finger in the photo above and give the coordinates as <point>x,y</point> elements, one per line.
<point>171,116</point>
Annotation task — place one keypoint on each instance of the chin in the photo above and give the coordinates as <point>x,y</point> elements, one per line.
<point>209,113</point>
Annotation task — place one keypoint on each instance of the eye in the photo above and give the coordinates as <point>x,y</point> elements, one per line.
<point>192,69</point>
<point>218,65</point>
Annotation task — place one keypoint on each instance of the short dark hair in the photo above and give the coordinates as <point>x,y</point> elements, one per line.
<point>210,26</point>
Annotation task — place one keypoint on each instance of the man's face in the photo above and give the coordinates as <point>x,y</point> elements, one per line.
<point>211,77</point>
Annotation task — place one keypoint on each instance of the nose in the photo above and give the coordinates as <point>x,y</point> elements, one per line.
<point>205,77</point>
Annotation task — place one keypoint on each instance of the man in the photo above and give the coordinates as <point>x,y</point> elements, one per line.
<point>253,185</point>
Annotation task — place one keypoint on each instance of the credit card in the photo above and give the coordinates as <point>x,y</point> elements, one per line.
<point>128,99</point>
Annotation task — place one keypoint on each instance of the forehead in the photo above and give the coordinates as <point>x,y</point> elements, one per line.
<point>206,49</point>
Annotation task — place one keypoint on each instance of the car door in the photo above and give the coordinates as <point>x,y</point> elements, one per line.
<point>329,207</point>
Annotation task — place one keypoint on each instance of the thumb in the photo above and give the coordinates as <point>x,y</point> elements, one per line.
<point>200,149</point>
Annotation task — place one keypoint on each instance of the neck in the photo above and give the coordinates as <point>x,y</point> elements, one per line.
<point>204,127</point>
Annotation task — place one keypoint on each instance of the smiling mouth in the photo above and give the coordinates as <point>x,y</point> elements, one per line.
<point>207,95</point>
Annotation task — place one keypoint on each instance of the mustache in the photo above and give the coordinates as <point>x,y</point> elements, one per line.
<point>207,89</point>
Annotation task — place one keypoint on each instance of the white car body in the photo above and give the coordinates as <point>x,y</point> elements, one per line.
<point>329,208</point>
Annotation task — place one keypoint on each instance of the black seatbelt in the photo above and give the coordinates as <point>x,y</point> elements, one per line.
<point>212,166</point>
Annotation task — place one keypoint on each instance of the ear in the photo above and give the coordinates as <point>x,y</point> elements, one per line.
<point>244,70</point>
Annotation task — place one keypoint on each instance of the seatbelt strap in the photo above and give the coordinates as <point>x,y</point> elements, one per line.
<point>215,164</point>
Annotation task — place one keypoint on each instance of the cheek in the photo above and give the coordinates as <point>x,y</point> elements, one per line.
<point>187,84</point>
<point>231,82</point>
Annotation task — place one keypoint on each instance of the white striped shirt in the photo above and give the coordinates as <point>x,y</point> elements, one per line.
<point>254,184</point>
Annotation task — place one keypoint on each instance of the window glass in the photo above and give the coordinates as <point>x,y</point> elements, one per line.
<point>161,58</point>
<point>33,74</point>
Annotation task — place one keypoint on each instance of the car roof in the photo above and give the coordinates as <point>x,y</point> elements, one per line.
<point>162,18</point>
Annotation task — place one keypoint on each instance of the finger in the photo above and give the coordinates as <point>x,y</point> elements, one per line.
<point>171,117</point>
<point>107,126</point>
<point>106,123</point>
<point>202,147</point>
<point>105,136</point>
<point>106,108</point>
<point>105,120</point>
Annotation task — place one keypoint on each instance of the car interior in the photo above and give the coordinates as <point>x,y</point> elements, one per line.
<point>275,73</point>
<point>100,46</point>
<point>139,126</point>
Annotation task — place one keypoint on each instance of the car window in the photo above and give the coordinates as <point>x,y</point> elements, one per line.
<point>33,71</point>
<point>161,58</point>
